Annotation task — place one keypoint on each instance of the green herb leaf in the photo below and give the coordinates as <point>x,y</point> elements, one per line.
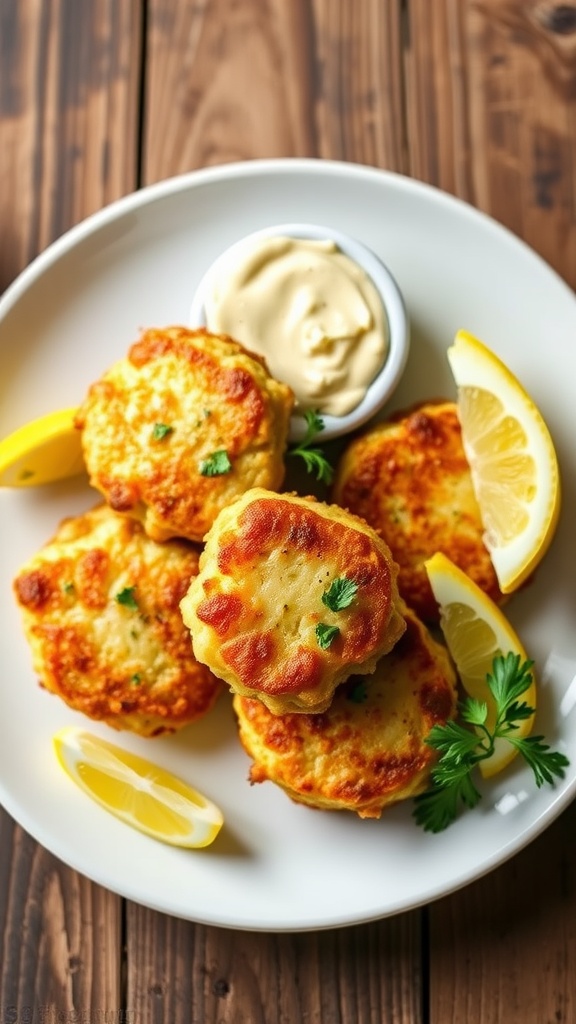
<point>325,635</point>
<point>314,458</point>
<point>216,464</point>
<point>68,587</point>
<point>136,679</point>
<point>473,711</point>
<point>126,598</point>
<point>545,763</point>
<point>161,430</point>
<point>340,594</point>
<point>461,749</point>
<point>438,808</point>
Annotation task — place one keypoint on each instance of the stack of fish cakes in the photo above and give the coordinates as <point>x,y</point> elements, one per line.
<point>336,681</point>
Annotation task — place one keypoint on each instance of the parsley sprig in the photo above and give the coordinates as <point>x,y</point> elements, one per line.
<point>314,458</point>
<point>461,749</point>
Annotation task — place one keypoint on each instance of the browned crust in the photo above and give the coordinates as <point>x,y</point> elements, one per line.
<point>409,478</point>
<point>92,651</point>
<point>237,407</point>
<point>360,754</point>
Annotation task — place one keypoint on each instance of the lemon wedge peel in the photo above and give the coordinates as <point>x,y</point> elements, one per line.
<point>40,452</point>
<point>137,791</point>
<point>476,631</point>
<point>512,460</point>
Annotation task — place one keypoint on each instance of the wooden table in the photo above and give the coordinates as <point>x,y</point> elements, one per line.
<point>100,97</point>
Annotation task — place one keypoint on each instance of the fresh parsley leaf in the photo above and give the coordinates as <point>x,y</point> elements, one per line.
<point>509,679</point>
<point>475,712</point>
<point>545,763</point>
<point>438,807</point>
<point>340,594</point>
<point>314,458</point>
<point>325,635</point>
<point>461,749</point>
<point>68,587</point>
<point>216,464</point>
<point>126,597</point>
<point>161,430</point>
<point>136,679</point>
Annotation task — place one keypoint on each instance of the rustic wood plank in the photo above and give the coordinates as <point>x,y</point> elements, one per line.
<point>60,936</point>
<point>69,109</point>
<point>236,81</point>
<point>504,949</point>
<point>183,972</point>
<point>490,104</point>
<point>359,86</point>
<point>491,116</point>
<point>229,81</point>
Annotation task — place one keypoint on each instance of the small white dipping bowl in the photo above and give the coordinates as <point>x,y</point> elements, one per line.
<point>381,388</point>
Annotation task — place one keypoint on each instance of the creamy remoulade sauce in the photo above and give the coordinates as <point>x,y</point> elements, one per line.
<point>312,312</point>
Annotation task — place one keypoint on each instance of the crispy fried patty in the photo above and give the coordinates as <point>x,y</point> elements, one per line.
<point>409,478</point>
<point>182,426</point>
<point>100,604</point>
<point>257,611</point>
<point>367,750</point>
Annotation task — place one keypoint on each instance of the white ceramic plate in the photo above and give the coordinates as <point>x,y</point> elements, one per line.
<point>277,866</point>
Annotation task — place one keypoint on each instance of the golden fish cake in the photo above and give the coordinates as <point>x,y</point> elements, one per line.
<point>181,427</point>
<point>292,596</point>
<point>408,477</point>
<point>368,749</point>
<point>100,605</point>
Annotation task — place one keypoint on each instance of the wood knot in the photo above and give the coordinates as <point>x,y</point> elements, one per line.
<point>220,988</point>
<point>560,19</point>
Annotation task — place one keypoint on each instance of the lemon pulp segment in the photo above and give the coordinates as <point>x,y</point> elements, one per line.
<point>476,631</point>
<point>512,460</point>
<point>47,449</point>
<point>137,791</point>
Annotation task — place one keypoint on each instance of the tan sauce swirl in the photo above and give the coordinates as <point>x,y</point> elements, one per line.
<point>312,312</point>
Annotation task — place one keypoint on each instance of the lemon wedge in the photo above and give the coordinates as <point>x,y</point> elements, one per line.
<point>476,631</point>
<point>45,450</point>
<point>512,460</point>
<point>138,792</point>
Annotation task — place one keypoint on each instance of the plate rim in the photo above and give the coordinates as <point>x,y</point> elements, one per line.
<point>167,188</point>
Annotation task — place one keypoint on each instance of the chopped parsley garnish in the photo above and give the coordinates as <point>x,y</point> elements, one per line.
<point>136,679</point>
<point>314,458</point>
<point>340,594</point>
<point>325,635</point>
<point>161,430</point>
<point>126,598</point>
<point>68,587</point>
<point>461,749</point>
<point>216,464</point>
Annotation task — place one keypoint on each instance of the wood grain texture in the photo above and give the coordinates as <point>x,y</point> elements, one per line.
<point>181,972</point>
<point>69,75</point>
<point>359,82</point>
<point>69,80</point>
<point>490,89</point>
<point>504,949</point>
<point>229,80</point>
<point>60,936</point>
